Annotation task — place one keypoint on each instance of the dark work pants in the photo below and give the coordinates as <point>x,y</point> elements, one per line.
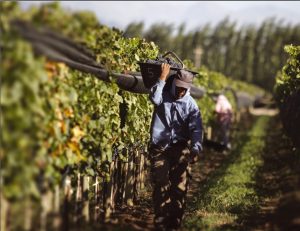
<point>224,132</point>
<point>170,181</point>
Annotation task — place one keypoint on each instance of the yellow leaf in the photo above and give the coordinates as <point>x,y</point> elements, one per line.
<point>50,66</point>
<point>61,65</point>
<point>69,113</point>
<point>58,151</point>
<point>75,148</point>
<point>58,114</point>
<point>77,134</point>
<point>63,127</point>
<point>86,119</point>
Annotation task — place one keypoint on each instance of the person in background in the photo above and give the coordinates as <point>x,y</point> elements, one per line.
<point>176,142</point>
<point>224,113</point>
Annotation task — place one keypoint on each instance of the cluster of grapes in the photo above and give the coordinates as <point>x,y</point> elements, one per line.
<point>159,60</point>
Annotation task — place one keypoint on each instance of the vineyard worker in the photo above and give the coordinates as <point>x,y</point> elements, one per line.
<point>176,124</point>
<point>224,117</point>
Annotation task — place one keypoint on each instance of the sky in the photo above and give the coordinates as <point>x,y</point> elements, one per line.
<point>193,13</point>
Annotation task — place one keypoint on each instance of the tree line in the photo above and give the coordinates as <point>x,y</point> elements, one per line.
<point>249,53</point>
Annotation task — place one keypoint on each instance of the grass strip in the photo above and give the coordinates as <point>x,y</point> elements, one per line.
<point>230,193</point>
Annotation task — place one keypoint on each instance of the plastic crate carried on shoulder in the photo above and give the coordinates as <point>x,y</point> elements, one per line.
<point>151,69</point>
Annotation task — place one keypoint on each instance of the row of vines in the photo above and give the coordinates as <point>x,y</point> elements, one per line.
<point>69,137</point>
<point>287,92</point>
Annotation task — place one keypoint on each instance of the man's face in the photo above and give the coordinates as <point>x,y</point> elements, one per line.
<point>180,92</point>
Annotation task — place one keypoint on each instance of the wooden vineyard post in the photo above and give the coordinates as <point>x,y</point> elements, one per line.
<point>78,199</point>
<point>4,212</point>
<point>136,180</point>
<point>104,192</point>
<point>209,132</point>
<point>142,171</point>
<point>86,188</point>
<point>27,215</point>
<point>115,182</point>
<point>129,182</point>
<point>120,182</point>
<point>56,208</point>
<point>82,203</point>
<point>111,185</point>
<point>138,171</point>
<point>66,206</point>
<point>108,188</point>
<point>238,116</point>
<point>46,207</point>
<point>97,199</point>
<point>124,176</point>
<point>124,168</point>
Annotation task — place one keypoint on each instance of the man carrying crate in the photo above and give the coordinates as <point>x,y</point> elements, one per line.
<point>176,141</point>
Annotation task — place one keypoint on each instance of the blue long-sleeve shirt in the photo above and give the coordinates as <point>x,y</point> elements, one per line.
<point>174,120</point>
